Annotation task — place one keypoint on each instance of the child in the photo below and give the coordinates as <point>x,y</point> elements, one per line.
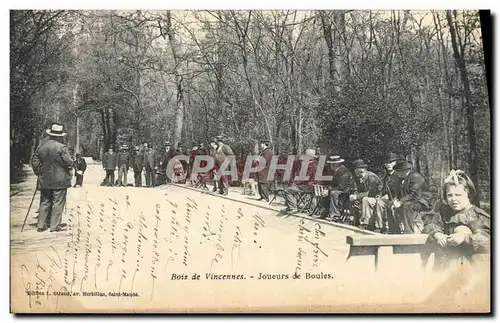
<point>80,166</point>
<point>462,229</point>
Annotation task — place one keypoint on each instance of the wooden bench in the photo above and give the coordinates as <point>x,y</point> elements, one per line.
<point>386,247</point>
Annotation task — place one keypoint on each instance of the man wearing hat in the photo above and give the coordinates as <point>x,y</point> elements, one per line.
<point>367,185</point>
<point>378,209</point>
<point>150,163</point>
<point>342,183</point>
<point>263,182</point>
<point>54,163</point>
<point>123,165</point>
<point>223,152</point>
<point>413,197</point>
<point>137,164</point>
<point>109,162</point>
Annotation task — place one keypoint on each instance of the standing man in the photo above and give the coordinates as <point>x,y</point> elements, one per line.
<point>263,181</point>
<point>167,154</point>
<point>80,166</point>
<point>221,154</point>
<point>413,198</point>
<point>123,165</point>
<point>109,164</point>
<point>215,169</point>
<point>137,165</point>
<point>367,185</point>
<point>342,183</point>
<point>150,165</point>
<point>53,162</point>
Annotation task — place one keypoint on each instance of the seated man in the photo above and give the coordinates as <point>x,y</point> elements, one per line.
<point>342,183</point>
<point>379,209</point>
<point>367,185</point>
<point>292,192</point>
<point>413,198</point>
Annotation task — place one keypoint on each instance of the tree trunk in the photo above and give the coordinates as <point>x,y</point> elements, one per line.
<point>460,62</point>
<point>179,111</point>
<point>75,102</point>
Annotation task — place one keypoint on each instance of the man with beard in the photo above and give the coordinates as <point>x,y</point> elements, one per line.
<point>413,197</point>
<point>263,181</point>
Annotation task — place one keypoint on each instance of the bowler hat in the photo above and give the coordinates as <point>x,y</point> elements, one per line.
<point>403,165</point>
<point>334,160</point>
<point>391,157</point>
<point>359,163</point>
<point>219,138</point>
<point>167,143</point>
<point>56,130</point>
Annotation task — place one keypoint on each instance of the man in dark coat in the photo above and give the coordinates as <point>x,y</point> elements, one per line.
<point>80,166</point>
<point>109,161</point>
<point>341,184</point>
<point>383,207</point>
<point>123,165</point>
<point>378,208</point>
<point>137,164</point>
<point>367,185</point>
<point>150,165</point>
<point>413,197</point>
<point>262,176</point>
<point>166,155</point>
<point>54,163</point>
<point>221,154</point>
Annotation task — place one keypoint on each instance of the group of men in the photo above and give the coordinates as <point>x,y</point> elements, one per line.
<point>154,163</point>
<point>391,204</point>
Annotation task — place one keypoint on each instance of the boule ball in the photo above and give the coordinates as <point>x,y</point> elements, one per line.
<point>462,229</point>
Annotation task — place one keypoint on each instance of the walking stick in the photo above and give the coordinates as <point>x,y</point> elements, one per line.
<point>29,208</point>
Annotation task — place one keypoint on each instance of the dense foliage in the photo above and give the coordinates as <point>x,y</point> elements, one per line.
<point>356,83</point>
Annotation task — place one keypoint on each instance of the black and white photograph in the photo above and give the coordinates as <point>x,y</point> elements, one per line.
<point>250,161</point>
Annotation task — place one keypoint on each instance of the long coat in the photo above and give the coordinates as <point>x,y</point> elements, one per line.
<point>124,159</point>
<point>369,186</point>
<point>414,188</point>
<point>138,160</point>
<point>392,184</point>
<point>150,158</point>
<point>109,160</point>
<point>54,163</point>
<point>262,175</point>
